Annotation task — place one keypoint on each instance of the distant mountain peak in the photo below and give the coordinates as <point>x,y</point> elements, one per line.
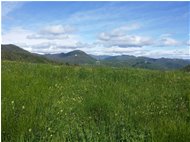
<point>73,57</point>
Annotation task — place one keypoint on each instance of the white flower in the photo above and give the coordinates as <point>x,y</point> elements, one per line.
<point>23,107</point>
<point>12,102</point>
<point>30,130</point>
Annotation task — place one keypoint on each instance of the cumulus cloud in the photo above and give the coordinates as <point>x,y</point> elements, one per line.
<point>50,47</point>
<point>22,38</point>
<point>120,37</point>
<point>124,40</point>
<point>167,41</point>
<point>57,29</point>
<point>114,50</point>
<point>53,32</point>
<point>16,35</point>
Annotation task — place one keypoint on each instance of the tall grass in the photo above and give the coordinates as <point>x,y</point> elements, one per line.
<point>62,103</point>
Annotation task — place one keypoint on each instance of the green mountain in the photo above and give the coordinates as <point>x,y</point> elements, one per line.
<point>74,57</point>
<point>145,62</point>
<point>15,53</point>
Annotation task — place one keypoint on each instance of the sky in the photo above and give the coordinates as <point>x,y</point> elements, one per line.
<point>152,29</point>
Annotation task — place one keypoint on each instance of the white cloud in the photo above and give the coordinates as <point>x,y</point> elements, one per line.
<point>49,47</point>
<point>120,31</point>
<point>175,53</point>
<point>124,41</point>
<point>20,37</point>
<point>168,41</point>
<point>99,49</point>
<point>53,32</point>
<point>16,35</point>
<point>57,29</point>
<point>119,37</point>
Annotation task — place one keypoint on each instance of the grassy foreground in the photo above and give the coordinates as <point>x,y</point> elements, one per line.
<point>61,103</point>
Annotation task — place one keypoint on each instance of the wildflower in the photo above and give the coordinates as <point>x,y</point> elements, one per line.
<point>49,129</point>
<point>12,102</point>
<point>30,130</point>
<point>51,135</point>
<point>98,133</point>
<point>23,107</point>
<point>61,110</point>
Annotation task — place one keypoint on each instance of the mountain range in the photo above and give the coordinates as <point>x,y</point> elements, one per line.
<point>78,57</point>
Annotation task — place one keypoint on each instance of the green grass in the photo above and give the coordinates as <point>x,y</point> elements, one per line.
<point>44,103</point>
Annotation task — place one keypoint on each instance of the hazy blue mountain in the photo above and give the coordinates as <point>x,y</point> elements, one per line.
<point>100,57</point>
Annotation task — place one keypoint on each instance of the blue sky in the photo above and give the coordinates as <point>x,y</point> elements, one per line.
<point>153,29</point>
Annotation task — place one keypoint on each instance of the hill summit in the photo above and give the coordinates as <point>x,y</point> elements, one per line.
<point>73,57</point>
<point>15,53</point>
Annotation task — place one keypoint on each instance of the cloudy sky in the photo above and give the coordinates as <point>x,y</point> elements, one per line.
<point>153,29</point>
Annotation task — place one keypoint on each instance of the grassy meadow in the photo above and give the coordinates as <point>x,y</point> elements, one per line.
<point>43,102</point>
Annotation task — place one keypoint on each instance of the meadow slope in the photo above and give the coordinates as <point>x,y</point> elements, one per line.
<point>42,102</point>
